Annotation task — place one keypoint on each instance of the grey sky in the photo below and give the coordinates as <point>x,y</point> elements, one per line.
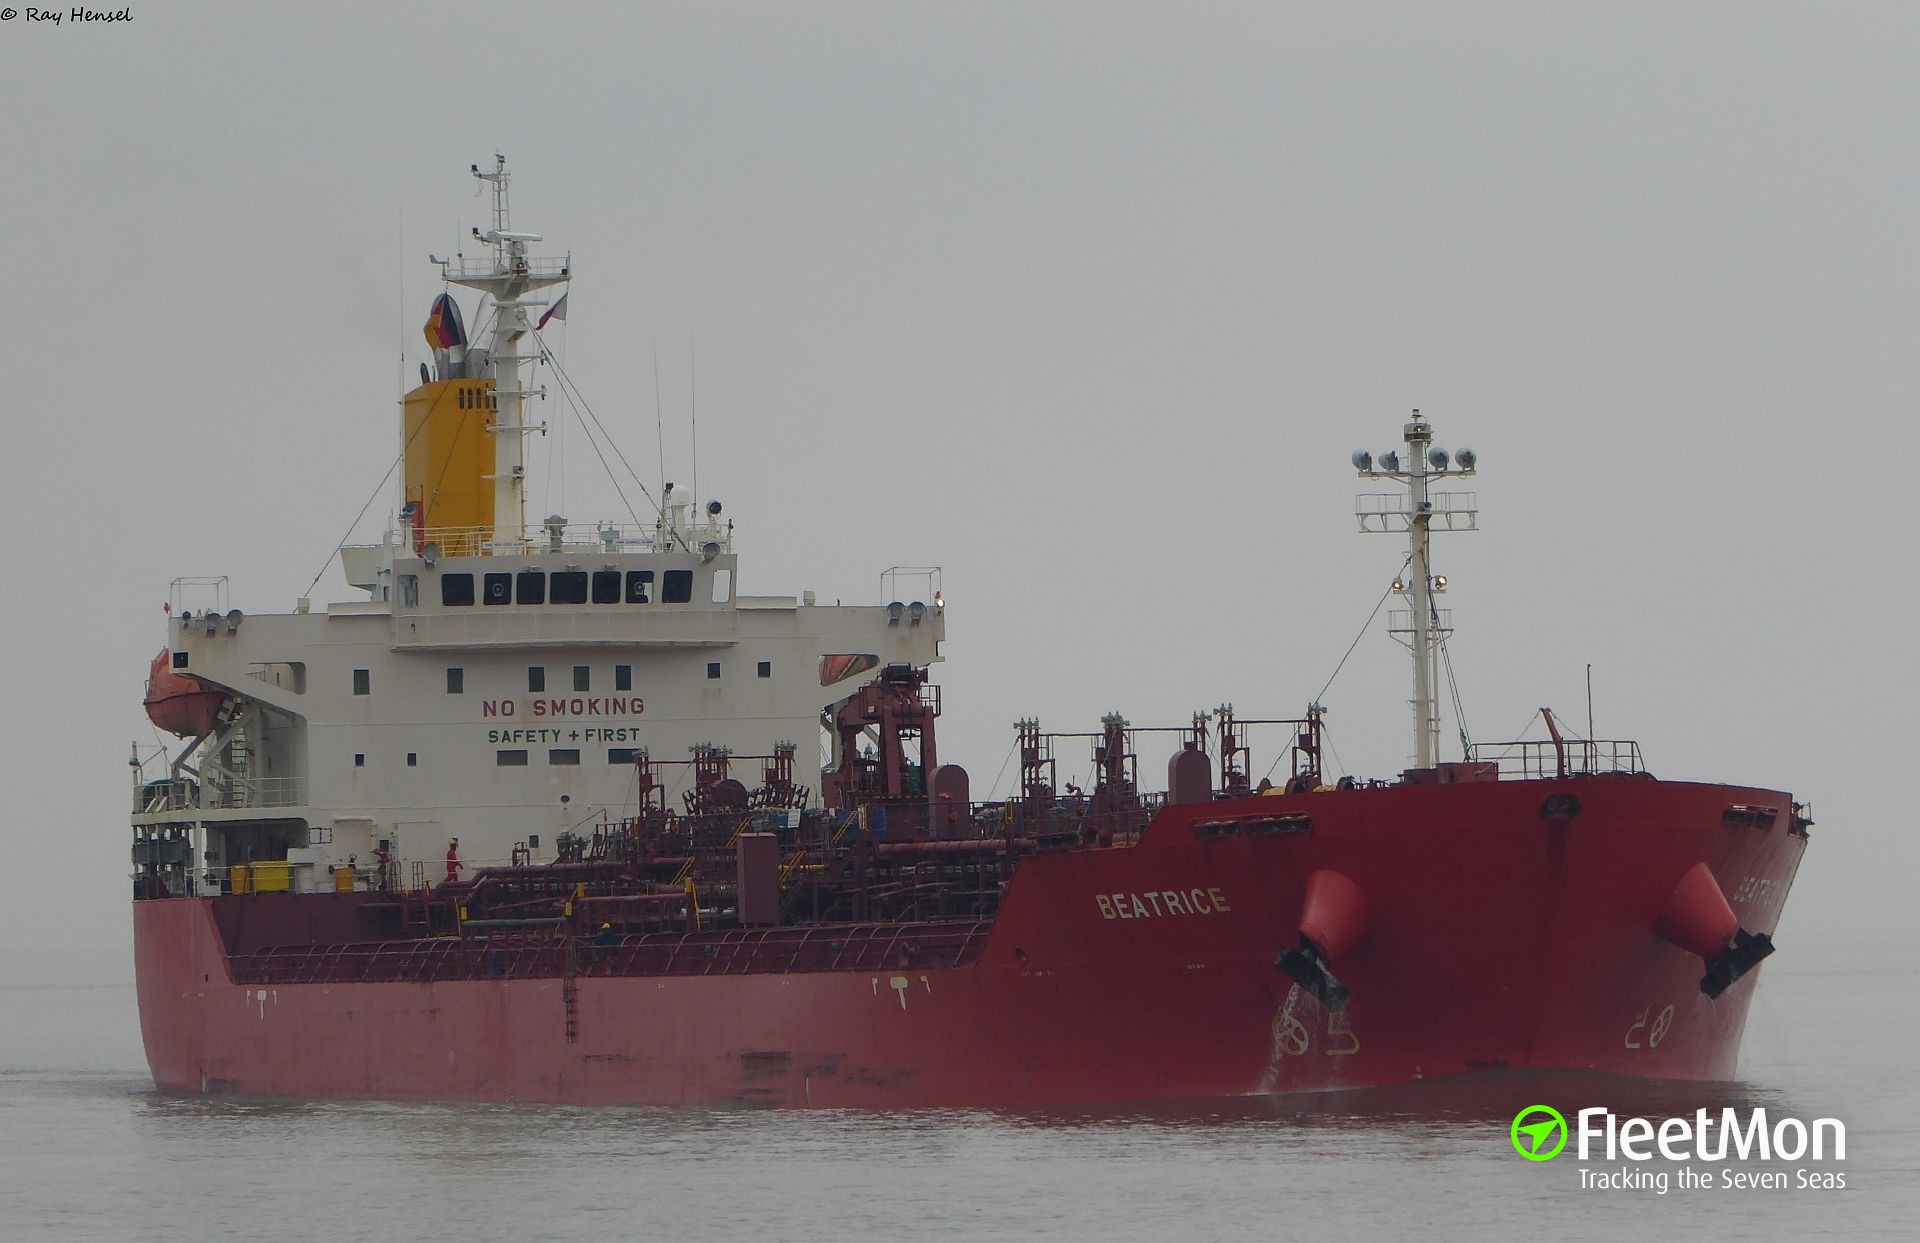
<point>1086,303</point>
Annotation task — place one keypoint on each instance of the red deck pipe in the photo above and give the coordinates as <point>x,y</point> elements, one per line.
<point>1696,917</point>
<point>1335,916</point>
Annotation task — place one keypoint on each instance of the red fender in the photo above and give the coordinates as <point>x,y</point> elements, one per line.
<point>1335,916</point>
<point>1696,917</point>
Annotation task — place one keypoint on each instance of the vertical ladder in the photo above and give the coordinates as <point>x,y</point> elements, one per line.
<point>570,994</point>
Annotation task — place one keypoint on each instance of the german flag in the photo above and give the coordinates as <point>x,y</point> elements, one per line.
<point>444,329</point>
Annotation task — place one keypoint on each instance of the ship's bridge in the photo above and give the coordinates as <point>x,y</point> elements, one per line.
<point>669,585</point>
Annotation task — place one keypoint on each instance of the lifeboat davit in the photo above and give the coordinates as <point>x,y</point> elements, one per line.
<point>181,703</point>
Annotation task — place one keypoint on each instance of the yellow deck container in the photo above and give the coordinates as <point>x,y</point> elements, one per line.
<point>273,876</point>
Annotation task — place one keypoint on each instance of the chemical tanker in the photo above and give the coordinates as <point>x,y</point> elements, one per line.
<point>529,821</point>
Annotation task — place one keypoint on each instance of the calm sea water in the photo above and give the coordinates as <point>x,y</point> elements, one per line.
<point>89,1151</point>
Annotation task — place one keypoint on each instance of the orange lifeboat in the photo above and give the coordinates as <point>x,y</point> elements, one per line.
<point>180,703</point>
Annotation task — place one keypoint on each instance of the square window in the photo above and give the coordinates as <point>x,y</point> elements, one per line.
<point>623,677</point>
<point>179,660</point>
<point>713,669</point>
<point>536,678</point>
<point>676,587</point>
<point>362,682</point>
<point>359,759</point>
<point>639,586</point>
<point>606,586</point>
<point>530,587</point>
<point>413,759</point>
<point>456,681</point>
<point>563,755</point>
<point>569,587</point>
<point>766,669</point>
<point>455,589</point>
<point>499,588</point>
<point>622,755</point>
<point>582,678</point>
<point>510,759</point>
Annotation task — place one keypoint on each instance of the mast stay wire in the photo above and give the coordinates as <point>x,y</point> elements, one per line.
<point>1459,708</point>
<point>1364,627</point>
<point>1453,687</point>
<point>1363,630</point>
<point>995,791</point>
<point>371,497</point>
<point>591,439</point>
<point>570,390</point>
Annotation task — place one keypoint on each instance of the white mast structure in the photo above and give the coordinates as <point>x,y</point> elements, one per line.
<point>1415,512</point>
<point>507,277</point>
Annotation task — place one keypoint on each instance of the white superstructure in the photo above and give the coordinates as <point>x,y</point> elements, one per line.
<point>497,685</point>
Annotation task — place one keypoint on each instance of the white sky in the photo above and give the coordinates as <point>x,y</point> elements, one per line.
<point>1086,303</point>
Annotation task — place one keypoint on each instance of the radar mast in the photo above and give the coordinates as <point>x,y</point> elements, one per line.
<point>1420,626</point>
<point>507,276</point>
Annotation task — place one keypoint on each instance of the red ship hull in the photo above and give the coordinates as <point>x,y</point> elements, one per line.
<point>1497,937</point>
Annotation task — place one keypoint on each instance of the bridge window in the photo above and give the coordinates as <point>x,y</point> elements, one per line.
<point>536,678</point>
<point>563,755</point>
<point>623,677</point>
<point>510,759</point>
<point>676,587</point>
<point>582,677</point>
<point>499,588</point>
<point>606,586</point>
<point>530,587</point>
<point>569,586</point>
<point>455,590</point>
<point>639,586</point>
<point>362,682</point>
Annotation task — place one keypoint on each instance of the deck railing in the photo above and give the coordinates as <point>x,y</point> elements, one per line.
<point>1567,758</point>
<point>877,948</point>
<point>215,794</point>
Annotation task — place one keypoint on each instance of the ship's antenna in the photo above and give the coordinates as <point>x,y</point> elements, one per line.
<point>659,419</point>
<point>1590,733</point>
<point>693,401</point>
<point>1421,626</point>
<point>400,287</point>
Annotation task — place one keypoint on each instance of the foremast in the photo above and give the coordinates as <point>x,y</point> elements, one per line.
<point>1415,512</point>
<point>507,277</point>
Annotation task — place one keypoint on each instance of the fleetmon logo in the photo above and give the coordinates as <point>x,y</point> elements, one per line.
<point>1534,1127</point>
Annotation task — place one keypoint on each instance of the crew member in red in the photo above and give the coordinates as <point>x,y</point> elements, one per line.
<point>453,859</point>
